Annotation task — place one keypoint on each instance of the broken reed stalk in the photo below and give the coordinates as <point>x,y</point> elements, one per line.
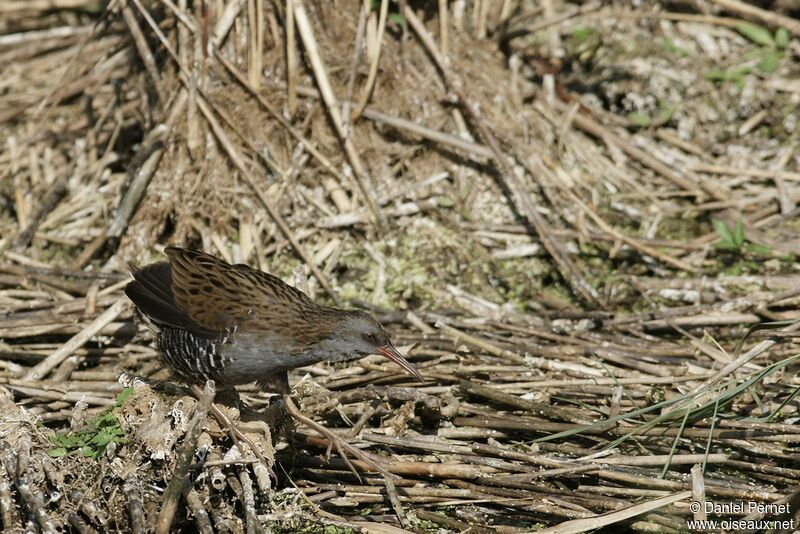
<point>184,460</point>
<point>195,504</point>
<point>252,524</point>
<point>320,73</point>
<point>148,158</point>
<point>134,505</point>
<point>8,511</point>
<point>55,359</point>
<point>374,47</point>
<point>51,198</point>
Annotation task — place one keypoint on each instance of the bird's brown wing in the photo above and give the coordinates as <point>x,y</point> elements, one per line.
<point>151,292</point>
<point>220,296</point>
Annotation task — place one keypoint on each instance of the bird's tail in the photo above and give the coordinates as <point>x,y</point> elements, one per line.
<point>151,292</point>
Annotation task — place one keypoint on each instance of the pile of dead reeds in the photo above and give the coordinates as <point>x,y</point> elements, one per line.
<point>469,171</point>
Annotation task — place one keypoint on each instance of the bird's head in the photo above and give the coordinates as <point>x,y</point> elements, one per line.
<point>364,335</point>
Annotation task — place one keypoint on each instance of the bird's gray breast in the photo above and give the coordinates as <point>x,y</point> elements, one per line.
<point>249,357</point>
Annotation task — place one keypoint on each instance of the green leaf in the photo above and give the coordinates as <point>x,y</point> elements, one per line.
<point>581,33</point>
<point>669,46</point>
<point>753,53</point>
<point>102,439</point>
<point>57,439</point>
<point>397,18</point>
<point>724,244</point>
<point>722,230</point>
<point>770,60</point>
<point>755,33</point>
<point>717,75</point>
<point>782,38</point>
<point>124,395</point>
<point>736,74</point>
<point>665,113</point>
<point>758,249</point>
<point>92,440</point>
<point>639,119</point>
<point>69,441</point>
<point>736,269</point>
<point>445,202</point>
<point>727,240</point>
<point>58,452</point>
<point>738,233</point>
<point>104,420</point>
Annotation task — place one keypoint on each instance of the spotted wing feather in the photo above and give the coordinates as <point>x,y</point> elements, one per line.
<point>219,296</point>
<point>151,292</point>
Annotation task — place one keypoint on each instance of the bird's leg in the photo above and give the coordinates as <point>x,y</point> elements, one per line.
<point>235,433</point>
<point>275,414</point>
<point>342,446</point>
<point>229,397</point>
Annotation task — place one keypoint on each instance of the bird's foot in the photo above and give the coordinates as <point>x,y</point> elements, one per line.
<point>236,434</point>
<point>278,418</point>
<point>345,449</point>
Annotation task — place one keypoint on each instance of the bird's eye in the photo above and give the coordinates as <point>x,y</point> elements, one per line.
<point>369,335</point>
